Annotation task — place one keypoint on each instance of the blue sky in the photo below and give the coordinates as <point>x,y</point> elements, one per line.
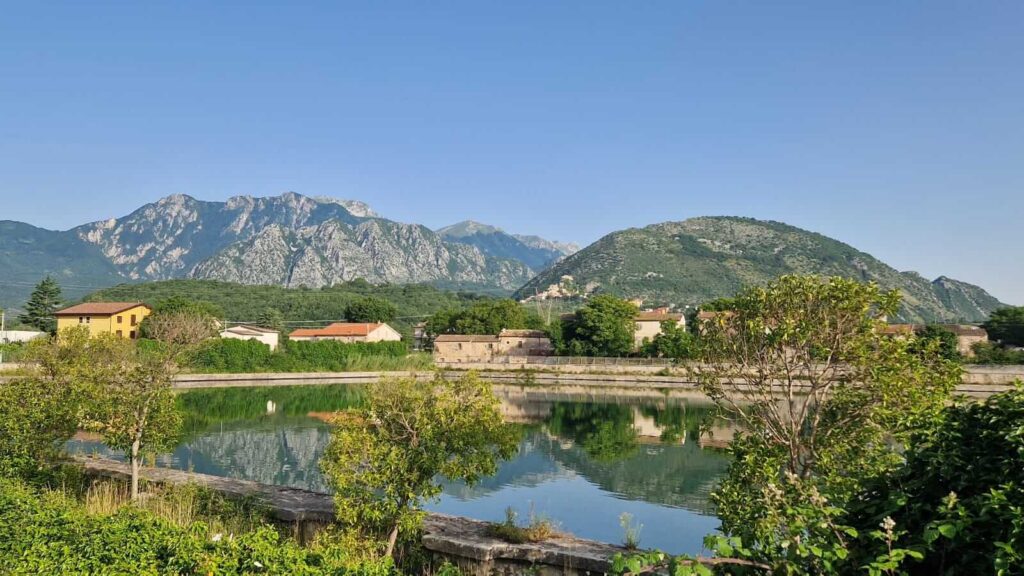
<point>895,126</point>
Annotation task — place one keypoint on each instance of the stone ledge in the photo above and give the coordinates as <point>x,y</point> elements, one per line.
<point>453,537</point>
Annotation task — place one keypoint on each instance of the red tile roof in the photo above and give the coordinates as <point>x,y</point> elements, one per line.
<point>98,308</point>
<point>338,329</point>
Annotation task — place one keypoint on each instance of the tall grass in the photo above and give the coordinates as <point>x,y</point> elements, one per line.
<point>181,505</point>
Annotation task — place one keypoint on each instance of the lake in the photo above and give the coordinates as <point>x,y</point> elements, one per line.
<point>583,460</point>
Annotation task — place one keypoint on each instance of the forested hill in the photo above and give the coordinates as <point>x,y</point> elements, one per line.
<point>700,259</point>
<point>244,303</point>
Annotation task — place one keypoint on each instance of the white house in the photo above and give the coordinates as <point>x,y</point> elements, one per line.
<point>245,332</point>
<point>11,336</point>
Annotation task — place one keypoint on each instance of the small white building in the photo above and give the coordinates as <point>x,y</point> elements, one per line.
<point>12,336</point>
<point>246,332</point>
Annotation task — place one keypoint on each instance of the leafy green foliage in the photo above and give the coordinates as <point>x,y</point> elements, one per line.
<point>48,533</point>
<point>992,353</point>
<point>36,418</point>
<point>271,318</point>
<point>959,496</point>
<point>485,317</point>
<point>244,356</point>
<point>604,326</point>
<point>371,309</point>
<point>674,342</point>
<point>944,341</point>
<point>384,458</point>
<point>44,301</point>
<point>1006,325</point>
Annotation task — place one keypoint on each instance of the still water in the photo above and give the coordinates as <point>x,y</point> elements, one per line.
<point>582,461</point>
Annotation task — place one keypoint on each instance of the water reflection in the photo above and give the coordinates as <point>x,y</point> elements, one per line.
<point>582,461</point>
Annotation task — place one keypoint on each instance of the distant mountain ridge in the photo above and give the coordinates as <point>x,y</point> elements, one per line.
<point>696,260</point>
<point>534,251</point>
<point>288,240</point>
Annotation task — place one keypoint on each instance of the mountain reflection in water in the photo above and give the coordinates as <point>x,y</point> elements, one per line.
<point>581,461</point>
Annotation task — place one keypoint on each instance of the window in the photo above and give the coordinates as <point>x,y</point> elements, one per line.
<point>132,334</point>
<point>81,320</point>
<point>120,319</point>
<point>120,333</point>
<point>134,321</point>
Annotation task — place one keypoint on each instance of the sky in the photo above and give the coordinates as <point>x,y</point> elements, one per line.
<point>895,126</point>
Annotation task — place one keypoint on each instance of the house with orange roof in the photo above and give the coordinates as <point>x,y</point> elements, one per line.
<point>118,318</point>
<point>348,332</point>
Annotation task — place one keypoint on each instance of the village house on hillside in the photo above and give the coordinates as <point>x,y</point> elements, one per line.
<point>348,332</point>
<point>484,347</point>
<point>246,332</point>
<point>648,324</point>
<point>118,318</point>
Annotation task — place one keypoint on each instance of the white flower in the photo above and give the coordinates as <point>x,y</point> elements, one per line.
<point>217,537</point>
<point>257,564</point>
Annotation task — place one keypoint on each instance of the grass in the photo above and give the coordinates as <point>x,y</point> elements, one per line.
<point>538,529</point>
<point>181,505</point>
<point>631,531</point>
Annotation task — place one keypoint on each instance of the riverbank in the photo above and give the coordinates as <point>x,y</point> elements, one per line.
<point>463,541</point>
<point>978,381</point>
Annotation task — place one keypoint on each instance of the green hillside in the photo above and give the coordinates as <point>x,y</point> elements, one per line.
<point>696,260</point>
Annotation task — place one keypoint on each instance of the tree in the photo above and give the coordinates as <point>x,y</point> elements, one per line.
<point>604,326</point>
<point>41,411</point>
<point>384,458</point>
<point>674,342</point>
<point>1006,325</point>
<point>45,300</point>
<point>370,309</point>
<point>271,318</point>
<point>135,409</point>
<point>486,317</point>
<point>825,401</point>
<point>179,307</point>
<point>945,341</point>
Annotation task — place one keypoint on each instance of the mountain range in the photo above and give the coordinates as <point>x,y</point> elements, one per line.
<point>289,240</point>
<point>293,240</point>
<point>700,259</point>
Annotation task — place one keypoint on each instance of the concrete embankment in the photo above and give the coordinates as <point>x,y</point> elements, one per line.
<point>978,381</point>
<point>463,541</point>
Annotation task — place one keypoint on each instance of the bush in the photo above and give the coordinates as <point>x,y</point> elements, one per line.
<point>240,356</point>
<point>959,498</point>
<point>991,353</point>
<point>49,533</point>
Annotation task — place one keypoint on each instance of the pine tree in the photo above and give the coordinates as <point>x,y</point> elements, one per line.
<point>44,301</point>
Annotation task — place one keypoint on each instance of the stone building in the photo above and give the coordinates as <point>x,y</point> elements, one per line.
<point>485,348</point>
<point>524,343</point>
<point>458,348</point>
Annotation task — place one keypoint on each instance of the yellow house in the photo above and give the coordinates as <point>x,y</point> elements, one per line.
<point>120,318</point>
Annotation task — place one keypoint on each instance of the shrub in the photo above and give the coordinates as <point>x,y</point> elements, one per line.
<point>50,533</point>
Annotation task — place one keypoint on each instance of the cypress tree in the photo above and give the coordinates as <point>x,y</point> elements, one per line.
<point>44,301</point>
